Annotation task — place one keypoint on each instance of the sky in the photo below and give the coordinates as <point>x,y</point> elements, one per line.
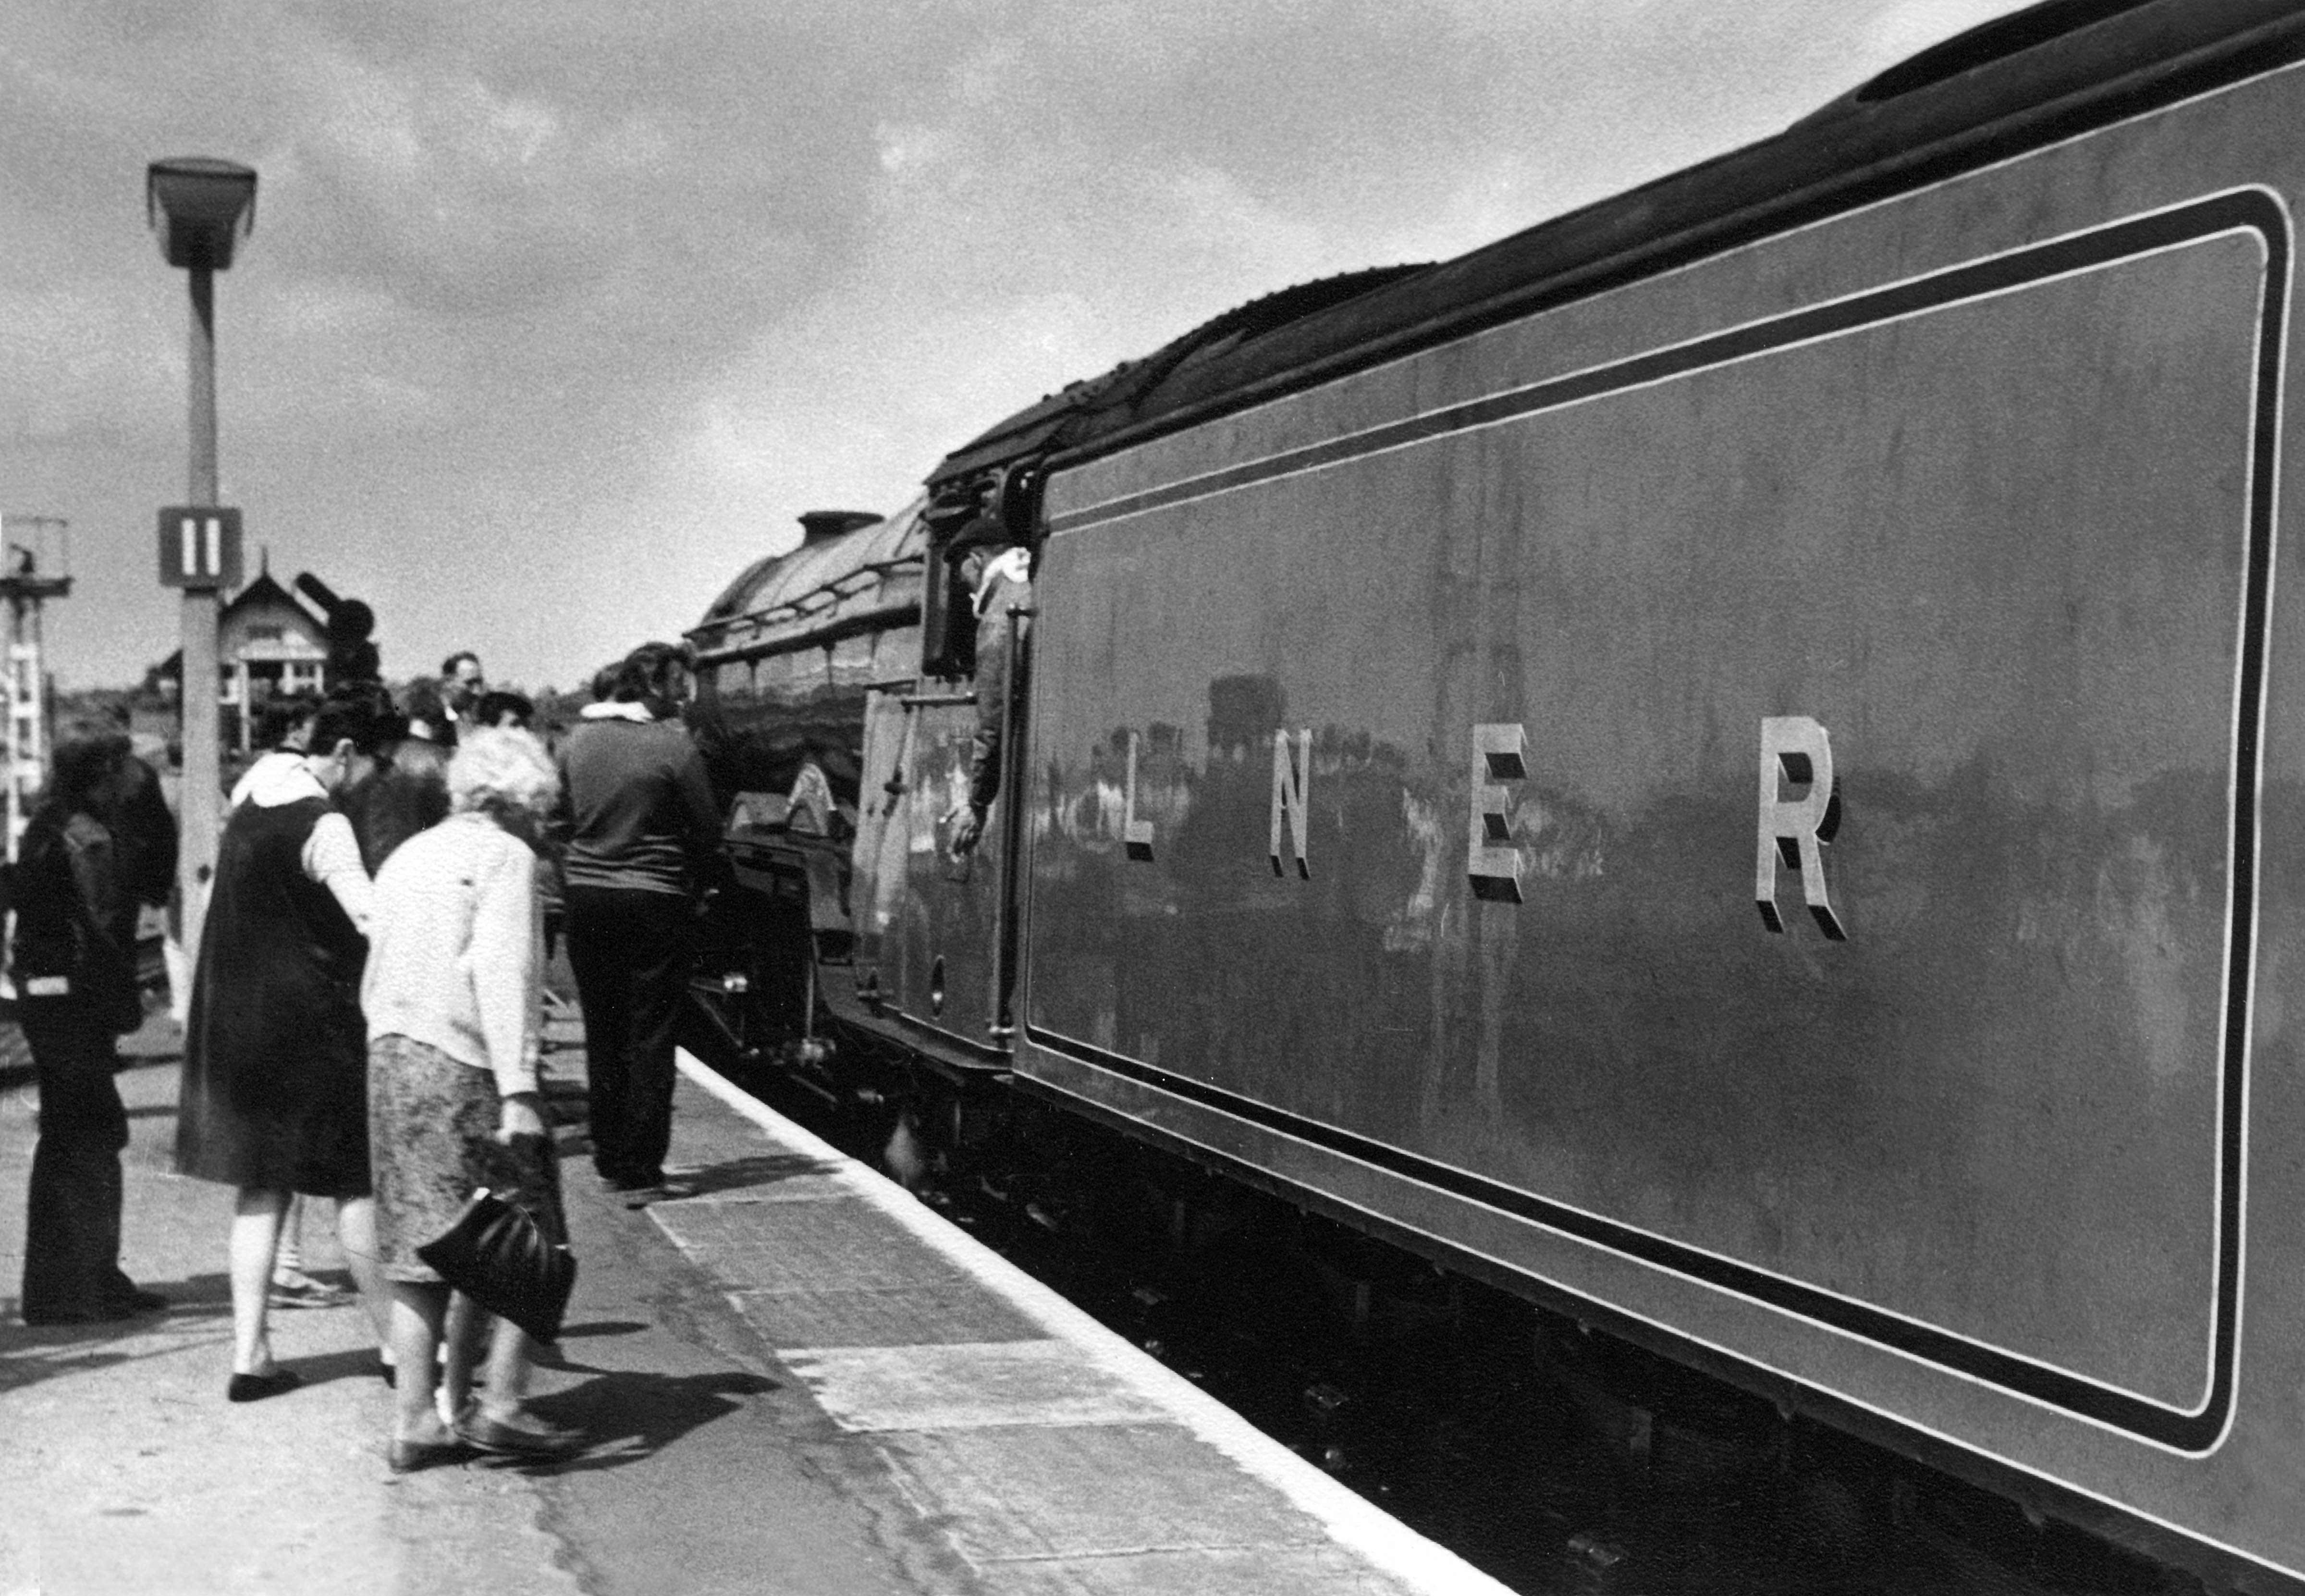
<point>556,315</point>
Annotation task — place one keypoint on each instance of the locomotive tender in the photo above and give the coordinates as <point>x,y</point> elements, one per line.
<point>1732,761</point>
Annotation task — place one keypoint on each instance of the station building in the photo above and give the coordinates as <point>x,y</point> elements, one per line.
<point>269,643</point>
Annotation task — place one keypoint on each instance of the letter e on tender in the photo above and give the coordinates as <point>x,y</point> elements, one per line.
<point>1491,862</point>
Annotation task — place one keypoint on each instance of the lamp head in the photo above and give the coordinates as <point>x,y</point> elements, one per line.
<point>200,208</point>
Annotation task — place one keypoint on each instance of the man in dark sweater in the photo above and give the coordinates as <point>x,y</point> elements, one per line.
<point>641,842</point>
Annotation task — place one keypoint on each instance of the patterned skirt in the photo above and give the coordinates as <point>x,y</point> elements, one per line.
<point>432,1123</point>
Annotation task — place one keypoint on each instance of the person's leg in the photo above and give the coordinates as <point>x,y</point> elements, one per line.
<point>502,1423</point>
<point>596,939</point>
<point>107,1126</point>
<point>356,1231</point>
<point>292,1287</point>
<point>71,1245</point>
<point>109,1190</point>
<point>657,947</point>
<point>255,1234</point>
<point>511,1356</point>
<point>288,1258</point>
<point>466,1324</point>
<point>417,1312</point>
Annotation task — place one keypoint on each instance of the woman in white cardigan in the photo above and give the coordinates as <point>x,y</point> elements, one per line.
<point>452,996</point>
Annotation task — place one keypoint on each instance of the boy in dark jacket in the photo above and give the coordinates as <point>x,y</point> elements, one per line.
<point>74,962</point>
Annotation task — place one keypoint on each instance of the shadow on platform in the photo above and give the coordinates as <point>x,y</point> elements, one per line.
<point>630,1416</point>
<point>765,1169</point>
<point>30,1354</point>
<point>319,1369</point>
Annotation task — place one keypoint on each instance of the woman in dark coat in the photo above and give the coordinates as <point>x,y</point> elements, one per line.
<point>74,965</point>
<point>276,1082</point>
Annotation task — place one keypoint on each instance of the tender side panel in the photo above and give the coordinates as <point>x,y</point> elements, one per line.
<point>1996,549</point>
<point>1964,504</point>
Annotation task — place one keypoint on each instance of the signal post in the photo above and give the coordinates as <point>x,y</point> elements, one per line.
<point>199,208</point>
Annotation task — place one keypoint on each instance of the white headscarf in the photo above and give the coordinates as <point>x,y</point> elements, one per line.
<point>1010,565</point>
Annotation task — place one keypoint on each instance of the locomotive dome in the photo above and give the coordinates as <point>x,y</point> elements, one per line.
<point>786,654</point>
<point>852,568</point>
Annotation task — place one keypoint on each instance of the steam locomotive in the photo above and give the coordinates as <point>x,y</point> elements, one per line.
<point>1730,763</point>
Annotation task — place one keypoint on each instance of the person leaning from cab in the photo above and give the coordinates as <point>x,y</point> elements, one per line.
<point>1000,580</point>
<point>73,962</point>
<point>640,837</point>
<point>454,995</point>
<point>274,1089</point>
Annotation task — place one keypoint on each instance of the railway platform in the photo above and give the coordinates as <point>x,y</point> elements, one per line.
<point>798,1380</point>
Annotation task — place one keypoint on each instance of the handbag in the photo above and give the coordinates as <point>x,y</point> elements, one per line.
<point>498,1255</point>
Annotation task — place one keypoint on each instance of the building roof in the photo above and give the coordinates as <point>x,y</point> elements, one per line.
<point>261,593</point>
<point>264,589</point>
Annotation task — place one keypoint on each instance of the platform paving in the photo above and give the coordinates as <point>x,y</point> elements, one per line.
<point>799,1381</point>
<point>1057,1456</point>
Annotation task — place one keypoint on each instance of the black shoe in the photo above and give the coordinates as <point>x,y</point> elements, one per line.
<point>256,1387</point>
<point>134,1299</point>
<point>406,1457</point>
<point>525,1436</point>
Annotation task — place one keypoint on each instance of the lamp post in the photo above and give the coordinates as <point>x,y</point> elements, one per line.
<point>199,208</point>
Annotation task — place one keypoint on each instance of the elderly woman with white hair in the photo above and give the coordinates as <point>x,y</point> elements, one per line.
<point>452,997</point>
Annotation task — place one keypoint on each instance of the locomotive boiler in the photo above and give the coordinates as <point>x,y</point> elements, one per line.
<point>1731,762</point>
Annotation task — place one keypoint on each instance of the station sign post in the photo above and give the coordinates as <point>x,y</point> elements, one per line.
<point>200,546</point>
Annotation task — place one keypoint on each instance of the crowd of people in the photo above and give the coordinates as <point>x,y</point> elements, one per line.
<point>366,1008</point>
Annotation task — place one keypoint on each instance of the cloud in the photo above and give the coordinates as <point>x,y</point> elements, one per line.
<point>554,316</point>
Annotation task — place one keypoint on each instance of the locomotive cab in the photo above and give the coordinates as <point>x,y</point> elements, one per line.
<point>946,954</point>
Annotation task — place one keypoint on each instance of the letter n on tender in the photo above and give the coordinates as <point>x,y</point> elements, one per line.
<point>1290,779</point>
